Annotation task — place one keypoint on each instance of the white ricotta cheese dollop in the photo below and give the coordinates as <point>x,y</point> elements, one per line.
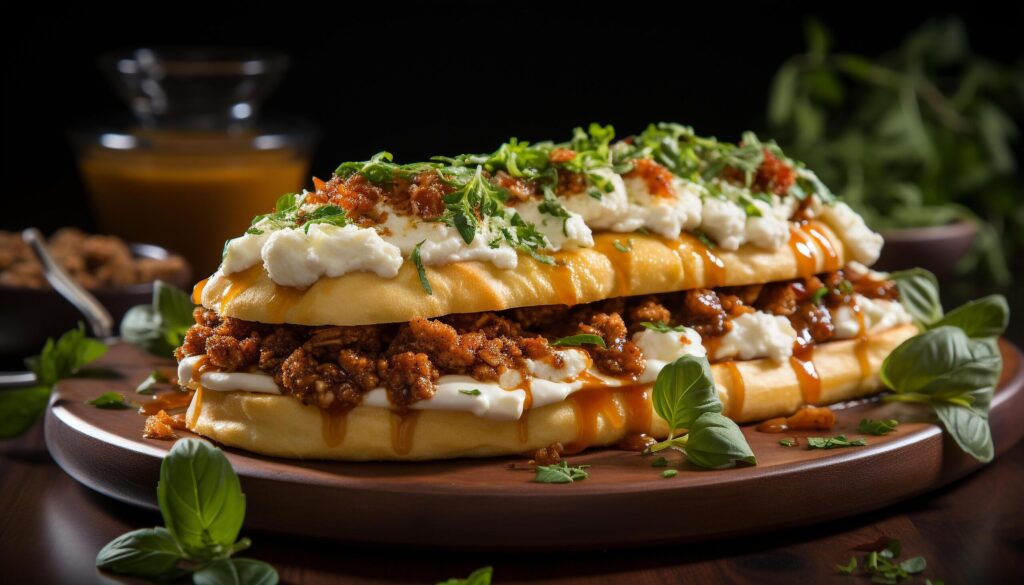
<point>879,315</point>
<point>724,222</point>
<point>757,335</point>
<point>662,348</point>
<point>863,245</point>
<point>665,216</point>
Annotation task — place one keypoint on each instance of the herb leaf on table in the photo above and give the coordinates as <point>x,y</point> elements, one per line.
<point>160,326</point>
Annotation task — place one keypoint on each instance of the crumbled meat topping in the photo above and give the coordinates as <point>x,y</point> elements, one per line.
<point>162,426</point>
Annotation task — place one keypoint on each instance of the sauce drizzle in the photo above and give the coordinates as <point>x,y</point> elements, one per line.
<point>333,425</point>
<point>802,362</point>
<point>403,423</point>
<point>831,256</point>
<point>806,261</point>
<point>738,390</point>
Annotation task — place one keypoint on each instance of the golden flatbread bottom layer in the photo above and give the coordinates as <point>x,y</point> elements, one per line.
<point>282,426</point>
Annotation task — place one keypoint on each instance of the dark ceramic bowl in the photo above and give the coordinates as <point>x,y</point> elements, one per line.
<point>29,316</point>
<point>938,249</point>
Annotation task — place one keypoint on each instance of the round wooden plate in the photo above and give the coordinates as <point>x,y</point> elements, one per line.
<point>483,503</point>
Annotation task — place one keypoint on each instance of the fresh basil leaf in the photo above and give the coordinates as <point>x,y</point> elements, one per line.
<point>236,572</point>
<point>877,427</point>
<point>984,317</point>
<point>64,357</point>
<point>159,327</point>
<point>716,442</point>
<point>155,377</point>
<point>561,472</point>
<point>420,270</point>
<point>969,428</point>
<point>20,408</point>
<point>578,340</point>
<point>200,498</point>
<point>141,326</point>
<point>685,390</point>
<point>919,294</point>
<point>149,553</point>
<point>941,363</point>
<point>110,401</point>
<point>481,576</point>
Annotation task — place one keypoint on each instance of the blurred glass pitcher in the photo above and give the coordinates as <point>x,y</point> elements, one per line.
<point>195,162</point>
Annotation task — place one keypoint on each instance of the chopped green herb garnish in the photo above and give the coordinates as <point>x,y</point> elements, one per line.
<point>877,427</point>
<point>819,295</point>
<point>787,442</point>
<point>578,340</point>
<point>624,248</point>
<point>669,473</point>
<point>110,400</point>
<point>418,262</point>
<point>155,377</point>
<point>848,568</point>
<point>473,392</point>
<point>561,472</point>
<point>660,462</point>
<point>480,576</point>
<point>662,327</point>
<point>834,442</point>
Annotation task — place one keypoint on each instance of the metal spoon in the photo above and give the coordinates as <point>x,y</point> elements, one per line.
<point>100,321</point>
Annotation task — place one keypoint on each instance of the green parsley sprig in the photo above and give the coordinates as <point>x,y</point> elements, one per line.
<point>481,576</point>
<point>203,507</point>
<point>561,472</point>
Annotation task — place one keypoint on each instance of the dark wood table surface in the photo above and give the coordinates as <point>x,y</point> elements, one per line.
<point>971,531</point>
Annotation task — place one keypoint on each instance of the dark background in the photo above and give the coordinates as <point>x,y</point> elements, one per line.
<point>441,78</point>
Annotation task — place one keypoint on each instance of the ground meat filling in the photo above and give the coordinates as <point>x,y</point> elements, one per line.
<point>334,367</point>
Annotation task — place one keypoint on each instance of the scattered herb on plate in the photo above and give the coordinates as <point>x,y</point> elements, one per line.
<point>561,472</point>
<point>882,566</point>
<point>111,401</point>
<point>669,473</point>
<point>155,377</point>
<point>481,576</point>
<point>834,442</point>
<point>660,462</point>
<point>870,426</point>
<point>787,442</point>
<point>203,507</point>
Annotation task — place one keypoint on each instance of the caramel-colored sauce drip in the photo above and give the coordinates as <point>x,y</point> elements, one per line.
<point>240,282</point>
<point>334,425</point>
<point>808,418</point>
<point>861,346</point>
<point>403,423</point>
<point>738,390</point>
<point>589,406</point>
<point>711,344</point>
<point>806,262</point>
<point>638,442</point>
<point>197,407</point>
<point>639,416</point>
<point>714,267</point>
<point>563,279</point>
<point>524,420</point>
<point>802,362</point>
<point>285,297</point>
<point>831,256</point>
<point>197,291</point>
<point>166,401</point>
<point>622,264</point>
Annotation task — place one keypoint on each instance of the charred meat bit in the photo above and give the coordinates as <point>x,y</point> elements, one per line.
<point>195,341</point>
<point>774,176</point>
<point>703,311</point>
<point>570,183</point>
<point>518,189</point>
<point>410,377</point>
<point>648,310</point>
<point>549,455</point>
<point>426,195</point>
<point>322,384</point>
<point>621,357</point>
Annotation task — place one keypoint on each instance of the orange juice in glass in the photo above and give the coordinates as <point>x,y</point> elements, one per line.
<point>196,164</point>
